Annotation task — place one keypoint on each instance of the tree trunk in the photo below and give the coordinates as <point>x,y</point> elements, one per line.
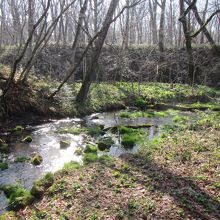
<point>161,30</point>
<point>83,93</point>
<point>204,30</point>
<point>188,44</point>
<point>126,31</point>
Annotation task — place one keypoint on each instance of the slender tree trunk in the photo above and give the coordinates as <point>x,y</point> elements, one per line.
<point>126,31</point>
<point>188,43</point>
<point>83,93</point>
<point>203,20</point>
<point>30,26</point>
<point>161,30</point>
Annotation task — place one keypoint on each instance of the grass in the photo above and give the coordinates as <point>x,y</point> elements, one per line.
<point>72,130</point>
<point>40,186</point>
<point>96,130</point>
<point>202,106</point>
<point>22,159</point>
<point>17,196</point>
<point>68,167</point>
<point>90,158</point>
<point>105,143</point>
<point>90,149</point>
<point>146,113</point>
<point>130,136</point>
<point>3,166</point>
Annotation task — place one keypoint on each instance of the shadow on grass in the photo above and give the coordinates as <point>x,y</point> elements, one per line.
<point>191,198</point>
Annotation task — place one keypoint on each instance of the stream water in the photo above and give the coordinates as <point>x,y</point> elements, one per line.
<point>46,142</point>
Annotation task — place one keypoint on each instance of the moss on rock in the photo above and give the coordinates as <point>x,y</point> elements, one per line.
<point>105,143</point>
<point>18,197</point>
<point>4,148</point>
<point>64,143</point>
<point>3,166</point>
<point>90,149</point>
<point>78,151</point>
<point>41,185</point>
<point>36,159</point>
<point>27,139</point>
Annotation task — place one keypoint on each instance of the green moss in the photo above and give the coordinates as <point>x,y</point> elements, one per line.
<point>130,136</point>
<point>71,166</point>
<point>202,106</point>
<point>116,174</point>
<point>128,140</point>
<point>3,166</point>
<point>27,139</point>
<point>125,114</point>
<point>72,130</point>
<point>4,148</point>
<point>78,151</point>
<point>17,196</point>
<point>36,159</point>
<point>125,130</point>
<point>96,130</point>
<point>179,118</point>
<point>40,186</point>
<point>64,143</point>
<point>140,103</point>
<point>90,149</point>
<point>18,129</point>
<point>8,216</point>
<point>90,158</point>
<point>146,113</point>
<point>22,159</point>
<point>105,143</point>
<point>106,159</point>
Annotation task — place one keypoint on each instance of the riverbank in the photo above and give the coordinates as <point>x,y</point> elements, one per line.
<point>32,99</point>
<point>173,176</point>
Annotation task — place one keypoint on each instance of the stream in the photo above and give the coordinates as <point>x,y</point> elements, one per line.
<point>46,142</point>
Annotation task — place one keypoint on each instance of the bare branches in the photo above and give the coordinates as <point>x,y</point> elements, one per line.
<point>185,12</point>
<point>205,24</point>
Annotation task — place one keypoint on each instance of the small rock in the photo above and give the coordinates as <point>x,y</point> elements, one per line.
<point>36,159</point>
<point>78,151</point>
<point>27,139</point>
<point>64,143</point>
<point>3,147</point>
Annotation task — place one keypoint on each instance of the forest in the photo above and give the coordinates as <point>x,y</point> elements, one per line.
<point>109,109</point>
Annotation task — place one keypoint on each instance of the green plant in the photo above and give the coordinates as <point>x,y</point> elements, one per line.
<point>90,158</point>
<point>140,103</point>
<point>3,166</point>
<point>17,196</point>
<point>27,139</point>
<point>128,141</point>
<point>22,159</point>
<point>116,174</point>
<point>95,130</point>
<point>40,186</point>
<point>90,149</point>
<point>71,166</point>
